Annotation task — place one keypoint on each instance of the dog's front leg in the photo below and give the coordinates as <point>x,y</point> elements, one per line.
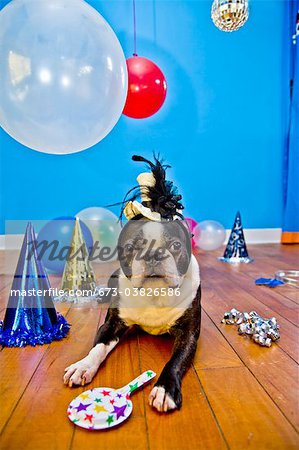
<point>166,395</point>
<point>108,335</point>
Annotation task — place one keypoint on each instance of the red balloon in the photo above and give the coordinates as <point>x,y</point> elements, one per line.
<point>147,88</point>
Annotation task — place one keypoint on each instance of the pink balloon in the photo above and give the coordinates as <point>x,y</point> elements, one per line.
<point>192,224</point>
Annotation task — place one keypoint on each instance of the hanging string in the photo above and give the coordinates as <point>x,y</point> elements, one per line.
<point>135,34</point>
<point>155,21</point>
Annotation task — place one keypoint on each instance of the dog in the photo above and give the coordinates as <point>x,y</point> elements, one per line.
<point>157,288</point>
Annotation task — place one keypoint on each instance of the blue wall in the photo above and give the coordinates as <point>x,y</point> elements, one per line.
<point>222,127</point>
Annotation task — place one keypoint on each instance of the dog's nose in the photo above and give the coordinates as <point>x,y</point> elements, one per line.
<point>154,258</point>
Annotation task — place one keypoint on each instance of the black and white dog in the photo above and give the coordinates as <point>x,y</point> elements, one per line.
<point>156,288</point>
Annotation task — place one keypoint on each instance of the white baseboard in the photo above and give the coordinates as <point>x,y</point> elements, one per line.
<point>252,236</point>
<point>11,241</point>
<point>260,235</point>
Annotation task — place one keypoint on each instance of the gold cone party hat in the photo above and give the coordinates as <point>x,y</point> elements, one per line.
<point>78,274</point>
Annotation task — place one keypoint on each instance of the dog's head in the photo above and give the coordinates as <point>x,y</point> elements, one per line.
<point>155,254</point>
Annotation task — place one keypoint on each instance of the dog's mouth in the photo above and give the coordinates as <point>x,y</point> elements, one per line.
<point>155,275</point>
<point>149,276</point>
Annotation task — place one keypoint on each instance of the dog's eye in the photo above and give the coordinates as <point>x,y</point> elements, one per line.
<point>176,246</point>
<point>129,248</point>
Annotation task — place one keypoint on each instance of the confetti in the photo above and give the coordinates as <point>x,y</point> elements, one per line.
<point>263,331</point>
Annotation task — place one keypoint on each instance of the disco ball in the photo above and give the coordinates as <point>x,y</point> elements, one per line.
<point>229,15</point>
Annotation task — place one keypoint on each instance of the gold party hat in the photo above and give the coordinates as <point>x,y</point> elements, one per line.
<point>78,273</point>
<point>134,208</point>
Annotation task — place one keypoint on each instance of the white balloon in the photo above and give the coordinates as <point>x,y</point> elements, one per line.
<point>209,235</point>
<point>63,75</point>
<point>105,229</point>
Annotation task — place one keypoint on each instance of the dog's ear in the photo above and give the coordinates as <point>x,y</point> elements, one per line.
<point>130,229</point>
<point>185,259</point>
<point>122,257</point>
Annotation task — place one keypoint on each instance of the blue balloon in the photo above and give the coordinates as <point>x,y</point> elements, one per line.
<point>58,233</point>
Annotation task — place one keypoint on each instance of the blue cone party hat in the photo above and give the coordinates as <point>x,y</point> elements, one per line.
<point>236,250</point>
<point>30,317</point>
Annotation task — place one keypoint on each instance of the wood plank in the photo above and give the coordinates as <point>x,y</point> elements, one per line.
<point>287,253</point>
<point>269,297</point>
<point>45,400</point>
<point>130,435</point>
<point>194,426</point>
<point>279,254</point>
<point>8,261</point>
<point>262,266</point>
<point>213,349</point>
<point>19,365</point>
<point>121,366</point>
<point>4,281</point>
<point>244,301</point>
<point>274,257</point>
<point>267,266</point>
<point>272,367</point>
<point>285,295</point>
<point>4,293</point>
<point>214,412</point>
<point>246,414</point>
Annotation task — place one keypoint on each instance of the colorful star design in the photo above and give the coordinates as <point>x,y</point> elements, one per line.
<point>149,373</point>
<point>128,396</point>
<point>75,420</point>
<point>119,395</point>
<point>119,411</point>
<point>88,417</point>
<point>133,386</point>
<point>105,393</point>
<point>98,400</point>
<point>99,408</point>
<point>82,407</point>
<point>112,401</point>
<point>110,420</point>
<point>84,396</point>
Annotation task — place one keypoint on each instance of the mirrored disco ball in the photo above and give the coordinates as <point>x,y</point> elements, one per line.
<point>229,15</point>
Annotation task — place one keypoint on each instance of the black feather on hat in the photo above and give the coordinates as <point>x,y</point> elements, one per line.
<point>160,199</point>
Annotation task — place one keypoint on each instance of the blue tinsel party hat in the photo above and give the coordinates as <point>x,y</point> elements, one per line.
<point>31,317</point>
<point>236,250</point>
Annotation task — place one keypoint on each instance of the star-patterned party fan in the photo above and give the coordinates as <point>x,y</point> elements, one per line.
<point>102,408</point>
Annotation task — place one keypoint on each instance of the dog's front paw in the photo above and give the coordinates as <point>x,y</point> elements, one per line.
<point>81,372</point>
<point>166,398</point>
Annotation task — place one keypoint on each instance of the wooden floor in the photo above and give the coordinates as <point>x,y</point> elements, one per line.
<point>236,395</point>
